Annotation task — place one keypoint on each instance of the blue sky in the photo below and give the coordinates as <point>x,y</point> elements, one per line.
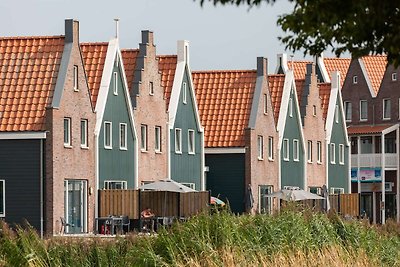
<point>222,37</point>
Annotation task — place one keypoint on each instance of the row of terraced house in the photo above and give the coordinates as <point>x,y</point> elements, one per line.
<point>79,117</point>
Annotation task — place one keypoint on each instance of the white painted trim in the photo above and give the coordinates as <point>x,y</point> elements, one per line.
<point>284,64</point>
<point>4,198</point>
<point>86,133</point>
<point>367,79</point>
<point>125,136</point>
<point>324,72</point>
<point>178,149</point>
<point>123,182</point>
<point>106,146</point>
<point>22,135</point>
<point>229,150</point>
<point>383,108</point>
<point>203,162</point>
<point>390,129</point>
<point>193,143</point>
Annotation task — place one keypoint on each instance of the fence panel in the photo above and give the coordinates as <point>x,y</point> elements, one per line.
<point>193,203</point>
<point>349,204</point>
<point>119,202</point>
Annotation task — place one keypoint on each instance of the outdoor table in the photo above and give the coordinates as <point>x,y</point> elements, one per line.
<point>111,221</point>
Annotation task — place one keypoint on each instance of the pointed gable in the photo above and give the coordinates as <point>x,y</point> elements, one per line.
<point>276,83</point>
<point>375,67</point>
<point>129,58</point>
<point>224,100</point>
<point>94,56</point>
<point>29,69</point>
<point>324,94</point>
<point>167,67</point>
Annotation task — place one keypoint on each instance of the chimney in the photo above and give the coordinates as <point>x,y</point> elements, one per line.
<point>71,31</point>
<point>183,51</point>
<point>262,67</point>
<point>116,28</point>
<point>282,66</point>
<point>335,79</point>
<point>147,37</point>
<point>310,74</point>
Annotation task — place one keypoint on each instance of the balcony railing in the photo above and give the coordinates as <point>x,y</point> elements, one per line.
<point>374,160</point>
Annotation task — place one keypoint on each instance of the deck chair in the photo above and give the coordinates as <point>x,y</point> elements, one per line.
<point>64,224</point>
<point>126,222</point>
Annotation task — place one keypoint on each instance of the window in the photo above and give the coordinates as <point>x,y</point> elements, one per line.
<point>265,104</point>
<point>337,114</point>
<point>178,140</point>
<point>315,190</point>
<point>319,152</point>
<point>143,137</point>
<point>363,110</point>
<point>157,141</point>
<point>67,132</point>
<point>386,109</point>
<point>309,151</point>
<point>190,185</point>
<point>191,143</point>
<point>341,154</point>
<point>394,76</point>
<point>184,93</point>
<point>260,147</point>
<point>336,190</point>
<point>296,150</point>
<point>270,148</point>
<point>314,110</point>
<point>347,110</point>
<point>2,198</point>
<point>332,153</point>
<point>107,135</point>
<point>84,133</point>
<point>123,136</point>
<point>355,79</point>
<point>151,88</point>
<point>76,88</point>
<point>265,203</point>
<point>290,107</point>
<point>115,75</point>
<point>285,149</point>
<point>115,185</point>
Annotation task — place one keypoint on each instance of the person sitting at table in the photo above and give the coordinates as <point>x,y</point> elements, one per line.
<point>147,217</point>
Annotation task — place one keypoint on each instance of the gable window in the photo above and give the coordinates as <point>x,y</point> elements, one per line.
<point>157,141</point>
<point>115,185</point>
<point>296,150</point>
<point>386,109</point>
<point>314,110</point>
<point>265,203</point>
<point>319,152</point>
<point>337,114</point>
<point>265,104</point>
<point>178,141</point>
<point>107,135</point>
<point>309,151</point>
<point>143,137</point>
<point>290,107</point>
<point>394,76</point>
<point>341,154</point>
<point>191,149</point>
<point>67,132</point>
<point>363,110</point>
<point>151,88</point>
<point>347,110</point>
<point>355,79</point>
<point>75,77</point>
<point>184,93</point>
<point>285,149</point>
<point>84,133</point>
<point>260,147</point>
<point>2,198</point>
<point>115,75</point>
<point>122,136</point>
<point>270,148</point>
<point>332,154</point>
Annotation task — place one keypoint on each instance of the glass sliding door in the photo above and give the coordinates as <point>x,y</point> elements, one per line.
<point>75,206</point>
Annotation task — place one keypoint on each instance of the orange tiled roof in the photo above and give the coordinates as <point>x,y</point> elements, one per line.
<point>337,64</point>
<point>368,129</point>
<point>167,66</point>
<point>324,94</point>
<point>94,56</point>
<point>299,68</point>
<point>375,67</point>
<point>299,88</point>
<point>276,83</point>
<point>129,58</point>
<point>224,100</point>
<point>28,73</point>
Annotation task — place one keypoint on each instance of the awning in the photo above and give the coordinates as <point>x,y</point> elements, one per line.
<point>371,129</point>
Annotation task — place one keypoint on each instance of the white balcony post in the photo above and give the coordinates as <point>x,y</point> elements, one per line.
<point>358,164</point>
<point>382,204</point>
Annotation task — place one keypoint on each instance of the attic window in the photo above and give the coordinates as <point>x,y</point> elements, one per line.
<point>314,110</point>
<point>265,104</point>
<point>355,79</point>
<point>184,93</point>
<point>75,76</point>
<point>394,76</point>
<point>151,88</point>
<point>290,107</point>
<point>115,83</point>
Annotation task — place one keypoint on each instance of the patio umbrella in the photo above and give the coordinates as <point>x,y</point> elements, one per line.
<point>294,194</point>
<point>167,185</point>
<point>217,201</point>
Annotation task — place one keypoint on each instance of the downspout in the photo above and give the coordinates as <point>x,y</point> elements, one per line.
<point>97,186</point>
<point>326,163</point>
<point>382,204</point>
<point>203,162</point>
<point>136,160</point>
<point>169,150</point>
<point>349,169</point>
<point>358,165</point>
<point>41,190</point>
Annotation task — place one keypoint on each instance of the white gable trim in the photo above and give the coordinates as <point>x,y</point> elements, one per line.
<point>22,135</point>
<point>320,63</point>
<point>225,150</point>
<point>365,73</point>
<point>282,62</point>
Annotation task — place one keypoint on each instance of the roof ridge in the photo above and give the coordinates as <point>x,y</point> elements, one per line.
<point>94,43</point>
<point>31,37</point>
<point>130,49</point>
<point>222,71</point>
<point>166,55</point>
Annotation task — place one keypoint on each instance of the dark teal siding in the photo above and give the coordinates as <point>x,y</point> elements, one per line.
<point>292,172</point>
<point>117,164</point>
<point>225,178</point>
<point>186,167</point>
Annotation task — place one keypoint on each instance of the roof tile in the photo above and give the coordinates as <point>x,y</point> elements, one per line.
<point>375,67</point>
<point>324,94</point>
<point>276,83</point>
<point>129,58</point>
<point>337,64</point>
<point>167,66</point>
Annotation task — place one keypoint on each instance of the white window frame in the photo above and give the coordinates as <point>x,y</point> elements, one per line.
<point>291,107</point>
<point>84,133</point>
<point>115,83</point>
<point>394,76</point>
<point>315,188</point>
<point>385,102</point>
<point>295,150</point>
<point>314,110</point>
<point>3,200</point>
<point>143,137</point>
<point>123,145</point>
<point>337,113</point>
<point>361,113</point>
<point>332,153</point>
<point>285,149</point>
<point>355,79</point>
<point>157,139</point>
<point>309,151</point>
<point>108,183</point>
<point>190,185</point>
<point>268,200</point>
<point>68,140</point>
<point>319,152</point>
<point>260,147</point>
<point>184,93</point>
<point>191,146</point>
<point>341,154</point>
<point>348,110</point>
<point>271,148</point>
<point>106,132</point>
<point>75,77</point>
<point>178,141</point>
<point>336,190</point>
<point>151,88</point>
<point>265,104</point>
